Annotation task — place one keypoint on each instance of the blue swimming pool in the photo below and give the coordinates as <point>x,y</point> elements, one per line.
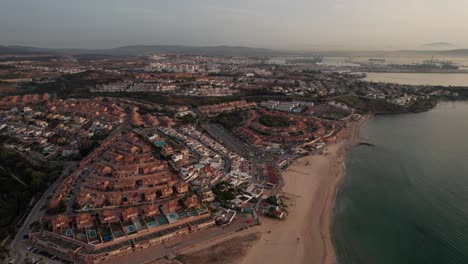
<point>162,220</point>
<point>160,144</point>
<point>193,213</point>
<point>92,233</point>
<point>130,228</point>
<point>182,215</point>
<point>172,215</point>
<point>152,224</point>
<point>118,233</point>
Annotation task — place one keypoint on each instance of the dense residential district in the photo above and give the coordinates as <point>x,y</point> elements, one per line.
<point>120,154</point>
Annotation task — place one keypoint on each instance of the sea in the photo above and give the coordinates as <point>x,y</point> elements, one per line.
<point>442,79</point>
<point>435,79</point>
<point>405,199</point>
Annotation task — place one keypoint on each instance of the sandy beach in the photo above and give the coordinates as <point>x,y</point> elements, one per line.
<point>310,190</point>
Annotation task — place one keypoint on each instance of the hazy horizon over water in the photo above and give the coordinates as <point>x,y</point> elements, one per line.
<point>406,199</point>
<point>443,79</point>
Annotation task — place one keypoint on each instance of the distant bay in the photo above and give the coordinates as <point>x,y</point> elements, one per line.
<point>406,199</point>
<point>444,79</point>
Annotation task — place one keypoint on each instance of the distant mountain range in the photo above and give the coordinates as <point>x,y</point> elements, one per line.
<point>137,50</point>
<point>439,46</point>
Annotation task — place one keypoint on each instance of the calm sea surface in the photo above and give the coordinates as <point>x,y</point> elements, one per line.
<point>445,79</point>
<point>406,199</point>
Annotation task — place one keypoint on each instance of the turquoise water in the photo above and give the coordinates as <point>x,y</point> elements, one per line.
<point>152,224</point>
<point>92,234</point>
<point>406,199</point>
<point>130,228</point>
<point>161,220</point>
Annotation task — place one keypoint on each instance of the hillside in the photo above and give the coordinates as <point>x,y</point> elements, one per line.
<point>137,50</point>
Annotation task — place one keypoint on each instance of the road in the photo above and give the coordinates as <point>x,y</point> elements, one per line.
<point>13,176</point>
<point>18,246</point>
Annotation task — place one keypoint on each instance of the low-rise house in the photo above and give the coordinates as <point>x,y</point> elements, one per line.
<point>84,220</point>
<point>166,192</point>
<point>108,216</point>
<point>182,188</point>
<point>150,196</point>
<point>129,213</point>
<point>150,210</point>
<point>60,221</point>
<point>167,151</point>
<point>192,202</point>
<point>172,206</point>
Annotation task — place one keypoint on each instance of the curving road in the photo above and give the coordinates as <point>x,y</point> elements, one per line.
<point>18,246</point>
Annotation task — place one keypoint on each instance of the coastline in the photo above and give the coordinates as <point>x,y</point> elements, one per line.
<point>311,185</point>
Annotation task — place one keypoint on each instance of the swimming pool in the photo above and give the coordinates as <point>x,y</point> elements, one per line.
<point>92,233</point>
<point>182,215</point>
<point>217,204</point>
<point>152,224</point>
<point>162,220</point>
<point>193,213</point>
<point>118,233</point>
<point>172,215</point>
<point>130,228</point>
<point>160,144</point>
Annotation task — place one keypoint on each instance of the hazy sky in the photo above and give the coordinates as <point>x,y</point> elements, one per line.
<point>286,24</point>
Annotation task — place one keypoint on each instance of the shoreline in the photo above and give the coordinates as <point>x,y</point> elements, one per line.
<point>329,255</point>
<point>311,185</point>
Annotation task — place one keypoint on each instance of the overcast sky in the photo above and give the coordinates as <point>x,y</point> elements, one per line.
<point>285,24</point>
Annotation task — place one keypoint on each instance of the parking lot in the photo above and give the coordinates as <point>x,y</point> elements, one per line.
<point>36,256</point>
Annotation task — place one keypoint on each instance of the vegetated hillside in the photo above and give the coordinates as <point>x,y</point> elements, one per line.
<point>77,84</point>
<point>14,50</point>
<point>174,49</point>
<point>379,106</point>
<point>367,105</point>
<point>229,120</point>
<point>16,193</point>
